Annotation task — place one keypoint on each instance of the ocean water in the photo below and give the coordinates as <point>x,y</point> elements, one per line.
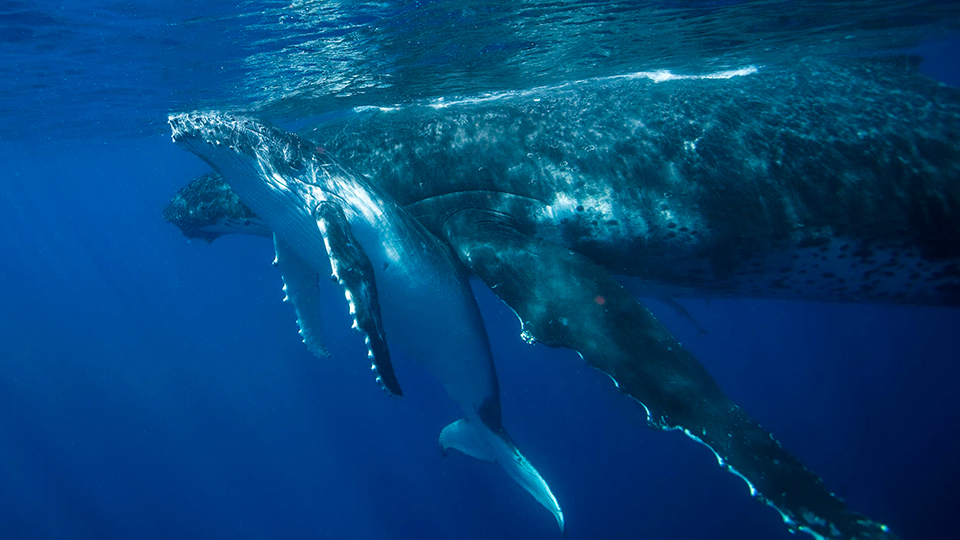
<point>155,388</point>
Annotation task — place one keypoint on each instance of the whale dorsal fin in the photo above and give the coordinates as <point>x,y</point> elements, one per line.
<point>354,272</point>
<point>300,284</point>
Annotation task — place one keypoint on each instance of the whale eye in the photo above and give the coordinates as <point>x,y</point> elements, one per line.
<point>296,165</point>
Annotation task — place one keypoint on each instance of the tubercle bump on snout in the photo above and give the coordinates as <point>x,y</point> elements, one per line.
<point>217,128</point>
<point>243,134</point>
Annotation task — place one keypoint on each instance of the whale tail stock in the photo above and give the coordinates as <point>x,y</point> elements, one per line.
<point>479,442</point>
<point>544,282</point>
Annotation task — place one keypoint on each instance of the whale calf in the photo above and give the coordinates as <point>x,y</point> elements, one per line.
<point>326,219</point>
<point>829,181</point>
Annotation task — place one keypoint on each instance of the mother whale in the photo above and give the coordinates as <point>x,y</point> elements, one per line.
<point>830,181</point>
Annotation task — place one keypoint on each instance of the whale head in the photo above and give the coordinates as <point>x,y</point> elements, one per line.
<point>277,174</point>
<point>263,163</point>
<point>323,218</point>
<point>208,208</point>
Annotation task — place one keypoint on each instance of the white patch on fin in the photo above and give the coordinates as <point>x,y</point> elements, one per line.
<point>302,287</point>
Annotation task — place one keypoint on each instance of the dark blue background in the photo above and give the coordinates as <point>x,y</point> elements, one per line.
<point>154,388</point>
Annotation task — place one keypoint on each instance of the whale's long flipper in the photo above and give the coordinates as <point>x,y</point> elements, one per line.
<point>300,283</point>
<point>352,269</point>
<point>565,300</point>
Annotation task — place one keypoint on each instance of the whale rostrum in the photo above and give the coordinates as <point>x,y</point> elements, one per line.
<point>829,181</point>
<point>325,219</point>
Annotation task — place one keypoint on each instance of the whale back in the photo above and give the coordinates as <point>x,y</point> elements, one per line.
<point>832,181</point>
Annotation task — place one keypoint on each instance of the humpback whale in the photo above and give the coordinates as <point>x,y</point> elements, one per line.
<point>327,219</point>
<point>829,181</point>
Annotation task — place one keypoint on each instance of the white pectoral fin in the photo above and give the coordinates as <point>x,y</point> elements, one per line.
<point>354,272</point>
<point>301,285</point>
<point>481,443</point>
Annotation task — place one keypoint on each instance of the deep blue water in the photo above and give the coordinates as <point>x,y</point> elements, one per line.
<point>154,388</point>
